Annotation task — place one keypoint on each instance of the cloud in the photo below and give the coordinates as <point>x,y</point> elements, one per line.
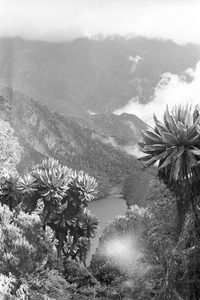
<point>134,61</point>
<point>172,89</point>
<point>106,140</point>
<point>65,19</point>
<point>132,150</point>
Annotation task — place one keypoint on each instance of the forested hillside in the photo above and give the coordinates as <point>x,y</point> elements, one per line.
<point>43,133</point>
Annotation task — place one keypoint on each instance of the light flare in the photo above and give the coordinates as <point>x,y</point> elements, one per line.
<point>122,251</point>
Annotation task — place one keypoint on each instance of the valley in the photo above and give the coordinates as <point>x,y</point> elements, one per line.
<point>61,99</point>
<point>73,141</point>
<point>49,92</point>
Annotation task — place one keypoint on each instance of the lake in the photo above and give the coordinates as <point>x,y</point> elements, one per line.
<point>106,209</point>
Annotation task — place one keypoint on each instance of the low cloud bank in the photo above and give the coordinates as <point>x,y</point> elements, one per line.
<point>131,149</point>
<point>172,89</point>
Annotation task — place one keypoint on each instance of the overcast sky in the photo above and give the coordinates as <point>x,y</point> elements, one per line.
<point>61,19</point>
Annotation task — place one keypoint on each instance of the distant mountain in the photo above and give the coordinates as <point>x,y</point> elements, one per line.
<point>86,74</point>
<point>79,143</point>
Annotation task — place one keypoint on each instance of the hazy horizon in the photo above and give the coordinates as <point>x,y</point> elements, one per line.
<point>62,20</point>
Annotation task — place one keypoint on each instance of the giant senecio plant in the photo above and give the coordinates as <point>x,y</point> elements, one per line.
<point>59,195</point>
<point>175,145</point>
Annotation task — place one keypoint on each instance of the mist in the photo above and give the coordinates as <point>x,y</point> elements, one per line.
<point>60,20</point>
<point>132,150</point>
<point>172,89</point>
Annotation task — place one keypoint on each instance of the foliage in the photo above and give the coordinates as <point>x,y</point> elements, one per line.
<point>9,193</point>
<point>28,263</point>
<point>24,245</point>
<point>75,273</point>
<point>80,230</point>
<point>176,252</point>
<point>104,270</point>
<point>48,284</point>
<point>135,188</point>
<point>127,269</point>
<point>161,234</point>
<point>12,289</point>
<point>155,230</point>
<point>175,145</point>
<point>60,196</point>
<point>10,150</point>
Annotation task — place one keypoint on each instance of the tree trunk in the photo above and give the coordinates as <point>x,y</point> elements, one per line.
<point>182,207</point>
<point>182,280</point>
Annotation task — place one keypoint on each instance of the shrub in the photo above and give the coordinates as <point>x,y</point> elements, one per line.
<point>24,245</point>
<point>13,289</point>
<point>75,273</point>
<point>49,283</point>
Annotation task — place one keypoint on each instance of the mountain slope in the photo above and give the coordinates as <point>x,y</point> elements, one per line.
<point>44,133</point>
<point>86,74</point>
<point>125,129</point>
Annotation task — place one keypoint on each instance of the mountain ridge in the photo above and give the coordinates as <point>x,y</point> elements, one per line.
<point>87,74</point>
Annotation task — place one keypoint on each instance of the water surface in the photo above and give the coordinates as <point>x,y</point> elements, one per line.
<point>106,209</point>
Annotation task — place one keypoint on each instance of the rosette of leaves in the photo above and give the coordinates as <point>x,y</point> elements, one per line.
<point>84,224</point>
<point>52,179</point>
<point>9,192</point>
<point>52,183</point>
<point>89,223</point>
<point>76,248</point>
<point>82,188</point>
<point>175,144</point>
<point>28,188</point>
<point>82,249</point>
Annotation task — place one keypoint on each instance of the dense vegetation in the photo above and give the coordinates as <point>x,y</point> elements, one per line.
<point>151,252</point>
<point>44,223</point>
